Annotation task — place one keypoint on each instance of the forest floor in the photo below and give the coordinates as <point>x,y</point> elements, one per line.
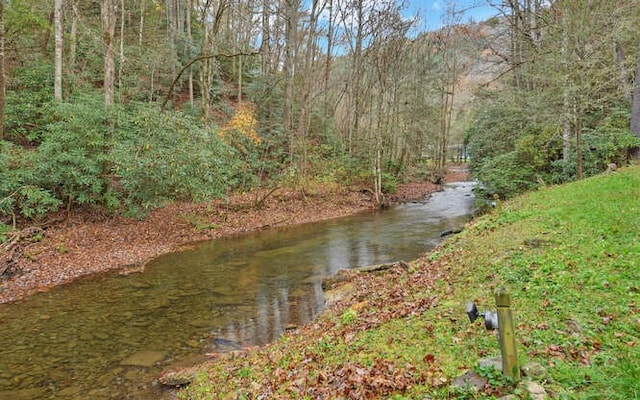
<point>84,243</point>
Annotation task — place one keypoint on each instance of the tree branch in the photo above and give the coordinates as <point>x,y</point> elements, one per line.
<point>195,60</point>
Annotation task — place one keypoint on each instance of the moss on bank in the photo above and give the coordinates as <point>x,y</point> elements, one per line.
<point>569,256</point>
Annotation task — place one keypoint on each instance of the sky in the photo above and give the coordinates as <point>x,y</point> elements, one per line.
<point>432,11</point>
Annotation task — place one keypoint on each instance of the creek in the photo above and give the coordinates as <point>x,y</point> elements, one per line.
<point>109,336</point>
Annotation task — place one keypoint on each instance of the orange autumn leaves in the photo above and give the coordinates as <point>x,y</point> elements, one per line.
<point>241,129</point>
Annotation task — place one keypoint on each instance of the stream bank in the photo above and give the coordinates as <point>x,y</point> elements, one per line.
<point>86,243</point>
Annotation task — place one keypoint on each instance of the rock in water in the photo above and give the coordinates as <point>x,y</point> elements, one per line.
<point>222,345</point>
<point>143,358</point>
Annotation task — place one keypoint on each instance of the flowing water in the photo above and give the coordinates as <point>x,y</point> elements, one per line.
<point>109,336</point>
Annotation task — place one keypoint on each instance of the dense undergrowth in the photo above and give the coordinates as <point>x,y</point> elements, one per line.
<point>568,254</point>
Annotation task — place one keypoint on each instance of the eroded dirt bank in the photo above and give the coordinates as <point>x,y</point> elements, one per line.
<point>84,244</point>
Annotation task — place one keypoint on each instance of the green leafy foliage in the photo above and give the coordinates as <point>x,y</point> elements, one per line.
<point>389,183</point>
<point>349,317</point>
<point>4,231</point>
<point>608,142</point>
<point>167,156</point>
<point>130,159</point>
<point>72,162</point>
<point>18,192</point>
<point>513,152</point>
<point>29,106</point>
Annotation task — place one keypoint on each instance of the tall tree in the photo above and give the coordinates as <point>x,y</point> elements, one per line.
<point>635,107</point>
<point>309,79</point>
<point>73,36</point>
<point>108,16</point>
<point>2,72</point>
<point>291,17</point>
<point>59,30</point>
<point>356,92</point>
<point>265,44</point>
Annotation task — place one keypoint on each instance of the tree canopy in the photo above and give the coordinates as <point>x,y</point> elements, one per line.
<point>127,104</point>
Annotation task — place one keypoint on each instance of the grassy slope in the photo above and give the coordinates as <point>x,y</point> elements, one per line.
<point>570,256</point>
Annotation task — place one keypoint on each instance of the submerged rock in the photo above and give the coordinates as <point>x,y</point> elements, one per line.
<point>143,358</point>
<point>222,345</point>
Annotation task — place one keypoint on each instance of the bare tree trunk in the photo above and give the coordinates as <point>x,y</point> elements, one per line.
<point>73,36</point>
<point>357,70</point>
<point>47,35</point>
<point>108,14</point>
<point>3,84</point>
<point>635,108</point>
<point>308,78</point>
<point>265,47</point>
<point>171,14</point>
<point>579,166</point>
<point>566,126</point>
<point>190,40</point>
<point>205,94</point>
<point>618,56</point>
<point>122,59</point>
<point>239,79</point>
<point>291,42</point>
<point>377,160</point>
<point>327,69</point>
<point>57,81</point>
<point>141,30</point>
<point>566,101</point>
<point>211,21</point>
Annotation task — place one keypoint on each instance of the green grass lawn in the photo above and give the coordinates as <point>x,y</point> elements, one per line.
<point>570,256</point>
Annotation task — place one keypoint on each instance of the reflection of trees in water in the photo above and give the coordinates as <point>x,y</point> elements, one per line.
<point>274,311</point>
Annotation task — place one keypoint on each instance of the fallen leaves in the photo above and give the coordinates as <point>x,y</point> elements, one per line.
<point>93,243</point>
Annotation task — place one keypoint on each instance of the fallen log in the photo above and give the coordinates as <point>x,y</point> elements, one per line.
<point>346,274</point>
<point>382,267</point>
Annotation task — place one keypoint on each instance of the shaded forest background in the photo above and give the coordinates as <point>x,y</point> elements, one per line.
<point>123,105</point>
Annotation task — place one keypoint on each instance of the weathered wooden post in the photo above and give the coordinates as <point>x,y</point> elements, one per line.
<point>507,335</point>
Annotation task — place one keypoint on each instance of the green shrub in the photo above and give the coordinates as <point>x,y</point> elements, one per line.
<point>4,231</point>
<point>609,142</point>
<point>505,176</point>
<point>129,159</point>
<point>389,183</point>
<point>514,150</point>
<point>72,162</point>
<point>167,156</point>
<point>29,105</point>
<point>18,193</point>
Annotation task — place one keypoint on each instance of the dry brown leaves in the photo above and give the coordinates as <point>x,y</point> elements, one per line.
<point>86,243</point>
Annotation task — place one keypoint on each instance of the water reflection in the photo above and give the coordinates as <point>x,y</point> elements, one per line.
<point>107,337</point>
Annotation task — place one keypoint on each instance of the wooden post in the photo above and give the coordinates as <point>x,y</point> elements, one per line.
<point>507,334</point>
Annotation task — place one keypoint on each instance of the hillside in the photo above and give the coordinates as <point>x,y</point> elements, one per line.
<point>568,254</point>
